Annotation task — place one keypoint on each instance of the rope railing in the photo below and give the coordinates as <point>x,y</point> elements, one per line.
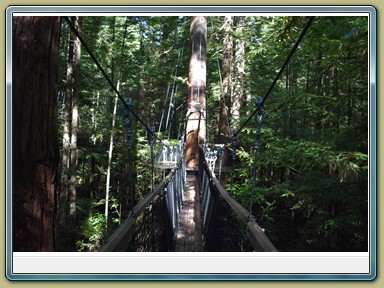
<point>226,224</point>
<point>152,224</point>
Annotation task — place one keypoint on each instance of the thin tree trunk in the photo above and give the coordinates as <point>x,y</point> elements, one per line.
<point>196,116</point>
<point>307,89</point>
<point>74,124</point>
<point>289,105</point>
<point>336,94</point>
<point>237,95</point>
<point>227,82</point>
<point>292,91</point>
<point>110,151</point>
<point>94,111</point>
<point>35,152</point>
<point>318,124</point>
<point>63,189</point>
<point>248,98</point>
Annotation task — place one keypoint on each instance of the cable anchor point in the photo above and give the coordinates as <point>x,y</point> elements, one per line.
<point>259,119</point>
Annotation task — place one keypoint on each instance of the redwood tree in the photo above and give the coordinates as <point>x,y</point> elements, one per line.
<point>227,80</point>
<point>226,85</point>
<point>196,115</point>
<point>67,189</point>
<point>75,120</point>
<point>34,133</point>
<point>237,95</point>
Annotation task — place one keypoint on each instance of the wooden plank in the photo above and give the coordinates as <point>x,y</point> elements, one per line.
<point>189,238</point>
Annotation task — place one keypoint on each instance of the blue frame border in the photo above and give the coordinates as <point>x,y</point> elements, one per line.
<point>199,9</point>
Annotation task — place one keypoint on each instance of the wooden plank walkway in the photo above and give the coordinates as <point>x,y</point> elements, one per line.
<point>189,237</point>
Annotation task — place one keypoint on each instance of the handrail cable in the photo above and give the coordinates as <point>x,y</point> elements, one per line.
<point>124,231</point>
<point>173,94</point>
<point>74,30</point>
<point>287,60</point>
<point>175,75</point>
<point>333,61</point>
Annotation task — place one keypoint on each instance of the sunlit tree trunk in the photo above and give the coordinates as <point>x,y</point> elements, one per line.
<point>196,114</point>
<point>63,189</point>
<point>95,116</point>
<point>227,80</point>
<point>226,85</point>
<point>110,151</point>
<point>67,190</point>
<point>35,152</point>
<point>75,118</point>
<point>237,95</point>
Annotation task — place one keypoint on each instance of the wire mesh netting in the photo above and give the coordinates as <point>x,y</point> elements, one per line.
<point>222,229</point>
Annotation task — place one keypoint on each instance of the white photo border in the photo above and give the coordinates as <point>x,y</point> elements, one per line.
<point>17,263</point>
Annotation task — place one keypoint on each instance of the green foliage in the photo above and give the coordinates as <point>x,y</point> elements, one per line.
<point>313,159</point>
<point>93,234</point>
<point>312,165</point>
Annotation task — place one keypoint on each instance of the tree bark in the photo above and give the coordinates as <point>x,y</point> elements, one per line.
<point>318,123</point>
<point>70,127</point>
<point>196,114</point>
<point>110,151</point>
<point>75,119</point>
<point>34,135</point>
<point>237,95</point>
<point>227,82</point>
<point>63,188</point>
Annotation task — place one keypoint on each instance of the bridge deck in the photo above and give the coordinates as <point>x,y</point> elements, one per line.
<point>189,236</point>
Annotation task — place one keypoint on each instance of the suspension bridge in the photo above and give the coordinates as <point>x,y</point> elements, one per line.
<point>190,210</point>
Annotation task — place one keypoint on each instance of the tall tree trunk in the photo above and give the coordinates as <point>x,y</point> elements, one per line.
<point>69,157</point>
<point>34,135</point>
<point>336,94</point>
<point>318,123</point>
<point>305,116</point>
<point>286,132</point>
<point>196,115</point>
<point>63,188</point>
<point>248,98</point>
<point>110,151</point>
<point>237,95</point>
<point>94,116</point>
<point>75,117</point>
<point>293,76</point>
<point>227,82</point>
